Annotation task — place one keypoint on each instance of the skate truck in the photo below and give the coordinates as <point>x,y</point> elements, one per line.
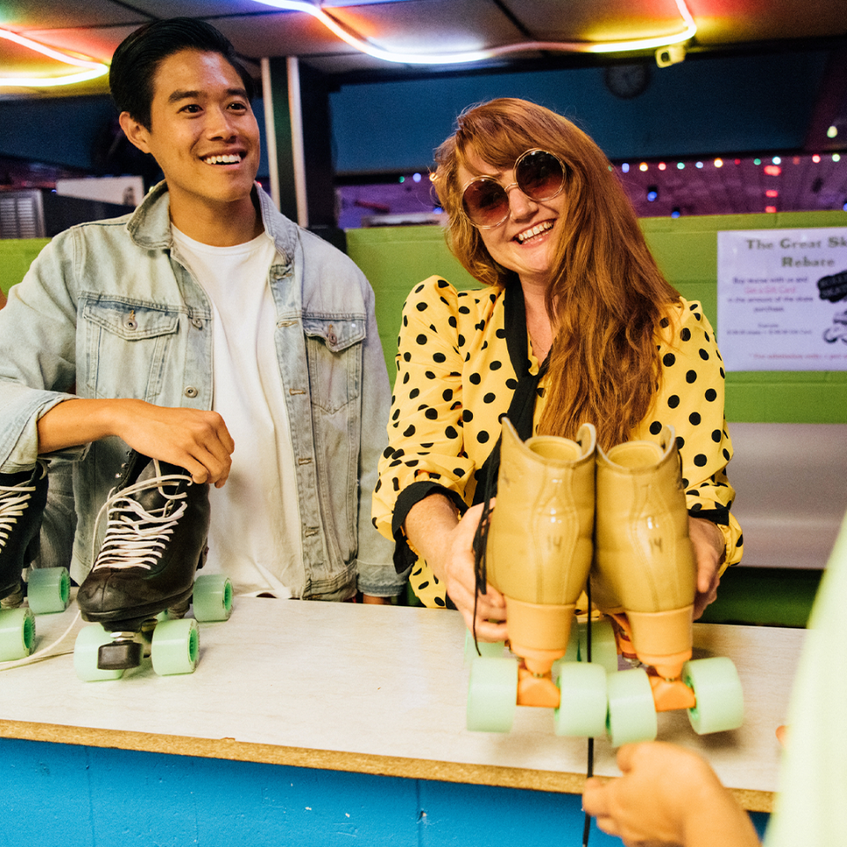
<point>571,517</point>
<point>142,580</point>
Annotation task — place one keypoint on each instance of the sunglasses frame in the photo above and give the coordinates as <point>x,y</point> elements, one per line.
<point>510,186</point>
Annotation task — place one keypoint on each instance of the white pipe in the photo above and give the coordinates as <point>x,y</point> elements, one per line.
<point>295,110</point>
<point>270,129</point>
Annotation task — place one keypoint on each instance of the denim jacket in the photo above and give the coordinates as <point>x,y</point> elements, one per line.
<point>110,308</point>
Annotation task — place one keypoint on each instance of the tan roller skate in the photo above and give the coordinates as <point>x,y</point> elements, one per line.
<point>645,578</point>
<point>538,553</point>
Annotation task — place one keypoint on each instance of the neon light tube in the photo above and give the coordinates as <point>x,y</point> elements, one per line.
<point>93,68</point>
<point>621,46</point>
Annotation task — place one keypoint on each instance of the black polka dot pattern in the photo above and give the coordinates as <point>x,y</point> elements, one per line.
<point>455,381</point>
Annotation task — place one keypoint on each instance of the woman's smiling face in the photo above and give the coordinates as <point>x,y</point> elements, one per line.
<point>526,241</point>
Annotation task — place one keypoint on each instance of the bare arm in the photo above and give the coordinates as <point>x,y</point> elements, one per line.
<point>434,529</point>
<point>667,796</point>
<point>193,439</point>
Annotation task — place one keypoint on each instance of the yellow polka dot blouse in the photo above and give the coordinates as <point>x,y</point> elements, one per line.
<point>455,380</point>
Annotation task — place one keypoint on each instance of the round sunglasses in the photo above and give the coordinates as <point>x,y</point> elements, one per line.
<point>538,174</point>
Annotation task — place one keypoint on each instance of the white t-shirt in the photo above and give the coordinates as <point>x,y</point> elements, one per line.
<point>255,527</point>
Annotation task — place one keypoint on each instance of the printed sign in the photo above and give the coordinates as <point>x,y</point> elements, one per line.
<point>782,299</point>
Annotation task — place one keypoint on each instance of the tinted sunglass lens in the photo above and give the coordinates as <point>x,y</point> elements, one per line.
<point>485,203</point>
<point>539,175</point>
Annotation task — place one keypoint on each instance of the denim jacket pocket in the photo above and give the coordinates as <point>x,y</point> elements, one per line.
<point>334,351</point>
<point>127,345</point>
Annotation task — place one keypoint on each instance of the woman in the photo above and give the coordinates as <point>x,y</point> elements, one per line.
<point>574,316</point>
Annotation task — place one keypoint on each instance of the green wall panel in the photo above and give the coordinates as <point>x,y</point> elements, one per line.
<point>395,260</point>
<point>16,255</point>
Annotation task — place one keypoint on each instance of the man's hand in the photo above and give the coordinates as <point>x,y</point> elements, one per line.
<point>193,439</point>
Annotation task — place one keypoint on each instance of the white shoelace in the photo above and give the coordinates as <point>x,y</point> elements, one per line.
<point>136,538</point>
<point>13,500</point>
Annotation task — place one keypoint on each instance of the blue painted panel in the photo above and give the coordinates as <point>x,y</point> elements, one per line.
<point>92,797</point>
<point>718,105</point>
<point>479,816</point>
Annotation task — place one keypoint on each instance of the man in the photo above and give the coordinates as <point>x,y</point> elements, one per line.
<point>209,332</point>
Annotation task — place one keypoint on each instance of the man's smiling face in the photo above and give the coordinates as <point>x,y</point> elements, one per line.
<point>203,132</point>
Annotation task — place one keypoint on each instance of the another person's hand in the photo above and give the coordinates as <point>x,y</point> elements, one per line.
<point>709,553</point>
<point>667,795</point>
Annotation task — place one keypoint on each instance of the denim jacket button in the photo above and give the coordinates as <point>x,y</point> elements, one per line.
<point>198,324</point>
<point>191,391</point>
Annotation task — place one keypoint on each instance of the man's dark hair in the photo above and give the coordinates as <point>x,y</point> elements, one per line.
<point>139,55</point>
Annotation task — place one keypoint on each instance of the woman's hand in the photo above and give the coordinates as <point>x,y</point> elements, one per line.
<point>709,554</point>
<point>446,542</point>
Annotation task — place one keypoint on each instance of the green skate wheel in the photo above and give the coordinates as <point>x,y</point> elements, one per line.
<point>572,653</point>
<point>492,694</point>
<point>48,590</point>
<point>604,647</point>
<point>720,700</point>
<point>212,598</point>
<point>88,643</point>
<point>632,712</point>
<point>491,649</point>
<point>176,647</point>
<point>17,634</point>
<point>582,700</point>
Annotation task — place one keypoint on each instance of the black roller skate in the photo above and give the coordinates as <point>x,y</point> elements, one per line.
<point>23,497</point>
<point>157,523</point>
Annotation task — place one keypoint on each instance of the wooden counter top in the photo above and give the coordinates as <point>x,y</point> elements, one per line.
<point>370,689</point>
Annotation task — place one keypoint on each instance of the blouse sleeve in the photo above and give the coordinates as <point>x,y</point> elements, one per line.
<point>425,450</point>
<point>691,399</point>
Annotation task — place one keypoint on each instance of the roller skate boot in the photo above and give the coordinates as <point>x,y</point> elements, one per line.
<point>644,577</point>
<point>23,497</point>
<point>22,500</point>
<point>155,539</point>
<point>538,553</point>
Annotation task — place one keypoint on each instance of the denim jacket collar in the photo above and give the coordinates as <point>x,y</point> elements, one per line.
<point>150,225</point>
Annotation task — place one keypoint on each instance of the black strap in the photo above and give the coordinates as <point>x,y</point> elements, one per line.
<point>521,412</point>
<point>522,408</point>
